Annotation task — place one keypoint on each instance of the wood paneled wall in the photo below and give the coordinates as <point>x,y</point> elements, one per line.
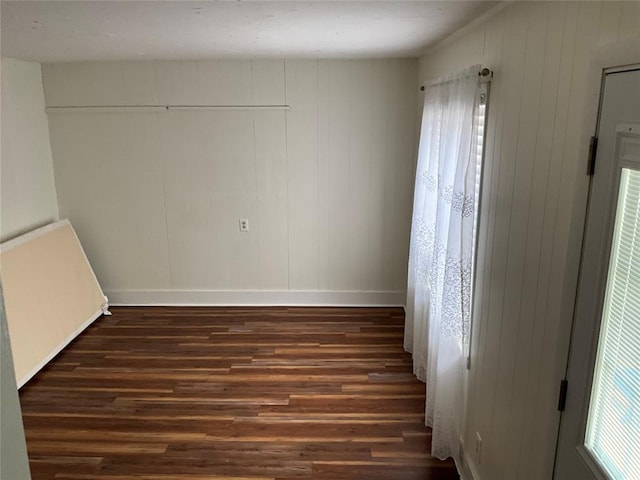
<point>156,197</point>
<point>546,57</point>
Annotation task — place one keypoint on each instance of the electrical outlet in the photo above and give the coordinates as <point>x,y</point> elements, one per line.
<point>244,224</point>
<point>478,447</point>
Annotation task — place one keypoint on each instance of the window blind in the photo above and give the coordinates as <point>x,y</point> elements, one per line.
<point>613,427</point>
<point>479,140</point>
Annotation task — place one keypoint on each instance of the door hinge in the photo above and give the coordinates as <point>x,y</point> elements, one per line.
<point>593,149</point>
<point>562,398</point>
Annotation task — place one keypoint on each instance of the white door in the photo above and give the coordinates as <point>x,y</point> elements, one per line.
<point>600,426</point>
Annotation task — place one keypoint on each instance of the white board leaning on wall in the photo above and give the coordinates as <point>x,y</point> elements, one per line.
<point>51,294</point>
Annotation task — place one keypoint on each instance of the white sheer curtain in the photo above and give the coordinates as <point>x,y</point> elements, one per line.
<point>441,256</point>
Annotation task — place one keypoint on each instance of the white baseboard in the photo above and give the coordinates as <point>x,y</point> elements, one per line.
<point>469,471</point>
<point>58,349</point>
<point>255,298</point>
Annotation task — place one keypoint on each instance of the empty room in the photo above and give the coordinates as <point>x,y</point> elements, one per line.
<point>278,240</point>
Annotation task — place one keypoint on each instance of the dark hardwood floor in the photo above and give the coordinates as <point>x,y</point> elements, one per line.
<point>232,393</point>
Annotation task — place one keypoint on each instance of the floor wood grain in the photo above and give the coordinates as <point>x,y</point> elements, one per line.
<point>232,393</point>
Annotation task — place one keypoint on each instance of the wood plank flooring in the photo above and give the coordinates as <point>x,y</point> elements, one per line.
<point>232,393</point>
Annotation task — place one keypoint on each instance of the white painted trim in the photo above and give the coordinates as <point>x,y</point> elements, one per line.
<point>59,348</point>
<point>467,470</point>
<point>471,471</point>
<point>255,298</point>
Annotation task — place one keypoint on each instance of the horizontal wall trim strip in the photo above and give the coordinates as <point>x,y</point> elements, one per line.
<point>254,298</point>
<point>157,108</point>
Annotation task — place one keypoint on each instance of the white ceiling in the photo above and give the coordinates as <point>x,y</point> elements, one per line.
<point>56,31</point>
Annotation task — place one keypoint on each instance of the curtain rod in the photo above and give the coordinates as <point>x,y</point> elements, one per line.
<point>158,108</point>
<point>485,75</point>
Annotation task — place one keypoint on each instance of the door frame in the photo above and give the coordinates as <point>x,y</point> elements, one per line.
<point>619,54</point>
<point>586,339</point>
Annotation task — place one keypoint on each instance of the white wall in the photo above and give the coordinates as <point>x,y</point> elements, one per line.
<point>27,190</point>
<point>156,197</point>
<point>13,448</point>
<point>542,112</point>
